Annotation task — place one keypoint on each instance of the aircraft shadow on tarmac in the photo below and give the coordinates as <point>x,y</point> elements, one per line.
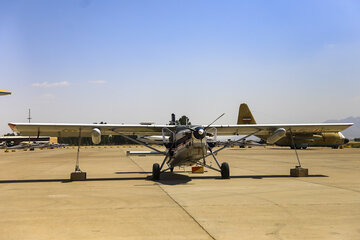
<point>275,149</point>
<point>288,149</point>
<point>166,178</point>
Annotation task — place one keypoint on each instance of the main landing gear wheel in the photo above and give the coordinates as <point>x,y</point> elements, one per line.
<point>225,170</point>
<point>156,171</point>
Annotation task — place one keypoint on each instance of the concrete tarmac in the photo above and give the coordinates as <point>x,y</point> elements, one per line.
<point>120,201</point>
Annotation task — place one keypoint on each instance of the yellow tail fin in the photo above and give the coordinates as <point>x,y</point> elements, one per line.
<point>245,116</point>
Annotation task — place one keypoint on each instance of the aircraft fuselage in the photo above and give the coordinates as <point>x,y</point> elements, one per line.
<point>186,149</point>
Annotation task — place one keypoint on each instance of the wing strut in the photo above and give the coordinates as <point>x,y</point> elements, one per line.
<point>137,141</point>
<point>77,168</point>
<point>228,144</point>
<point>293,143</point>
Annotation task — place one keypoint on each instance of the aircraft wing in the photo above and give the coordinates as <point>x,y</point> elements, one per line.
<point>264,129</point>
<point>72,130</point>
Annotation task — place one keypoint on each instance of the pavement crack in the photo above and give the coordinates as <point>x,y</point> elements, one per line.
<point>191,216</point>
<point>330,186</point>
<point>177,203</point>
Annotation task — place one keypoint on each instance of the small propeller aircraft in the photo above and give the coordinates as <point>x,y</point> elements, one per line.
<point>186,145</point>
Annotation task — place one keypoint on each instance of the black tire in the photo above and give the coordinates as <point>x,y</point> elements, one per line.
<point>225,170</point>
<point>304,147</point>
<point>156,171</point>
<point>172,169</point>
<point>291,147</point>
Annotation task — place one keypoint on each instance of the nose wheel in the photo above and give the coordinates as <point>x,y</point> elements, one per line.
<point>156,171</point>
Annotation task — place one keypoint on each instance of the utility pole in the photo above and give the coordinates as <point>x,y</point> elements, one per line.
<point>29,118</point>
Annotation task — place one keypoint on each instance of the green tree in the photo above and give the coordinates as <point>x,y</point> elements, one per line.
<point>10,134</point>
<point>184,120</point>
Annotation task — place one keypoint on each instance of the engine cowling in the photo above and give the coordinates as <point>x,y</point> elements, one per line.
<point>96,136</point>
<point>276,136</point>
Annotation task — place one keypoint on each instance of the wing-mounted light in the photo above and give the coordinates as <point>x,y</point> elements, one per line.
<point>276,136</point>
<point>96,136</point>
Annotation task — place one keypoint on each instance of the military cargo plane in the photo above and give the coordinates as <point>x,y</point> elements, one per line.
<point>186,145</point>
<point>301,139</point>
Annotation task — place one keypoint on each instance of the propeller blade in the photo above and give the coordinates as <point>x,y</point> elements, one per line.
<point>214,121</point>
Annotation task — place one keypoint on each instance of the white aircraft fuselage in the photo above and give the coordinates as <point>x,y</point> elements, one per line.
<point>187,147</point>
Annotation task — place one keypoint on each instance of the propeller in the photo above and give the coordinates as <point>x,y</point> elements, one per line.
<point>200,133</point>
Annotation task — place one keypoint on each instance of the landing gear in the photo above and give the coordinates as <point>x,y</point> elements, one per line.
<point>156,171</point>
<point>171,169</point>
<point>225,170</point>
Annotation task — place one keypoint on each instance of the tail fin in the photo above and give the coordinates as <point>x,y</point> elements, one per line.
<point>245,116</point>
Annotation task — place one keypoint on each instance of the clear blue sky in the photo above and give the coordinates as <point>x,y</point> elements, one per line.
<point>131,61</point>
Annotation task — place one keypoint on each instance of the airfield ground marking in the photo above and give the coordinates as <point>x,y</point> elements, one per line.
<point>178,204</point>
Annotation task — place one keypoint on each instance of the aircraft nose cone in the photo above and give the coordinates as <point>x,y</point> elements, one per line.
<point>201,131</point>
<point>346,140</point>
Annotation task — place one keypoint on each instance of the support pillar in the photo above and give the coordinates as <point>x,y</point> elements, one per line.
<point>299,172</point>
<point>78,176</point>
